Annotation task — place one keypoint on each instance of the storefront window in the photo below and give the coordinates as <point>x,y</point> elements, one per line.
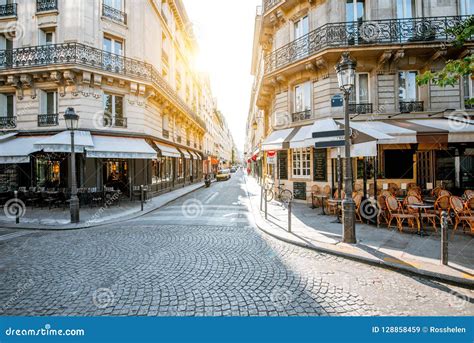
<point>398,164</point>
<point>116,174</point>
<point>51,171</point>
<point>302,162</point>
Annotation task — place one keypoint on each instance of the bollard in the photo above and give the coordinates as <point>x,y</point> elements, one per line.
<point>444,238</point>
<point>266,209</point>
<point>261,198</point>
<point>141,195</point>
<point>17,214</point>
<point>289,216</point>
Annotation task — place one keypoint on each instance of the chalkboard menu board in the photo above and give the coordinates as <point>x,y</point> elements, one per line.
<point>299,190</point>
<point>283,165</point>
<point>320,165</point>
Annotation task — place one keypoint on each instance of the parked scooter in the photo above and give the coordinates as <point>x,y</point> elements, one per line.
<point>207,181</point>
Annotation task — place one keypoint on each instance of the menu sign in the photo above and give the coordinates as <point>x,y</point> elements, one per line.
<point>320,166</point>
<point>283,165</point>
<point>299,190</point>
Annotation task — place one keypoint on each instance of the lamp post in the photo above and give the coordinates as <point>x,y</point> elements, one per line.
<point>72,122</point>
<point>346,77</point>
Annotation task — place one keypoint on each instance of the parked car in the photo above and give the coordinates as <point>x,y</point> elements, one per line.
<point>233,170</point>
<point>223,175</point>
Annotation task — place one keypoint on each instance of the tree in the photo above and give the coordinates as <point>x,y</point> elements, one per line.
<point>454,70</point>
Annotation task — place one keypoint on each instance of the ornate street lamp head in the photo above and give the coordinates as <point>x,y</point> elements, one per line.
<point>346,72</point>
<point>71,118</point>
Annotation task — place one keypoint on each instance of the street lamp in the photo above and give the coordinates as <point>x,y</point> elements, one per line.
<point>346,77</point>
<point>72,122</point>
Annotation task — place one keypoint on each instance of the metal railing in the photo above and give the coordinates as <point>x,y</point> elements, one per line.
<point>7,122</point>
<point>50,119</point>
<point>84,55</point>
<point>114,14</point>
<point>374,32</point>
<point>361,108</point>
<point>269,4</point>
<point>46,5</point>
<point>115,122</point>
<point>411,106</point>
<point>300,116</point>
<point>8,10</point>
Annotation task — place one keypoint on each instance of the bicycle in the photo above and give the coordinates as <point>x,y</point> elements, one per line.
<point>283,194</point>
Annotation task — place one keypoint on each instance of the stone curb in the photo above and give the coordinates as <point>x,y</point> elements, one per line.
<point>69,227</point>
<point>458,281</point>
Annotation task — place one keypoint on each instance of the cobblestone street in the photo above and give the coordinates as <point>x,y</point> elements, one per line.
<point>201,256</point>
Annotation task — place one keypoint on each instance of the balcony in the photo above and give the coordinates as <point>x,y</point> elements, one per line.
<point>7,122</point>
<point>269,4</point>
<point>166,134</point>
<point>411,106</point>
<point>8,10</point>
<point>114,14</point>
<point>300,116</point>
<point>45,120</point>
<point>374,32</point>
<point>46,5</point>
<point>115,122</point>
<point>361,108</point>
<point>77,54</point>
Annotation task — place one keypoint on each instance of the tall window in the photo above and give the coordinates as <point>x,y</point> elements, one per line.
<point>5,43</point>
<point>112,45</point>
<point>47,37</point>
<point>7,106</point>
<point>360,93</point>
<point>301,27</point>
<point>303,97</point>
<point>467,7</point>
<point>355,10</point>
<point>302,163</point>
<point>113,110</point>
<point>408,90</point>
<point>405,9</point>
<point>117,4</point>
<point>468,90</point>
<point>49,102</point>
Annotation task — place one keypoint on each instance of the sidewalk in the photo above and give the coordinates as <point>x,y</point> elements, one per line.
<point>380,246</point>
<point>59,219</point>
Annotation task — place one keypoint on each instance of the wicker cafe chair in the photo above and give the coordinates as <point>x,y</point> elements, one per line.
<point>429,216</point>
<point>444,192</point>
<point>395,211</point>
<point>461,214</point>
<point>414,192</point>
<point>435,191</point>
<point>383,211</point>
<point>358,201</point>
<point>315,190</point>
<point>468,194</point>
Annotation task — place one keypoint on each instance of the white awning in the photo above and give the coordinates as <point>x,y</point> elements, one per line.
<point>366,128</point>
<point>299,140</point>
<point>460,130</point>
<point>319,126</point>
<point>368,149</point>
<point>193,155</point>
<point>61,142</point>
<point>17,150</point>
<point>121,147</point>
<point>7,136</point>
<point>398,135</point>
<point>185,154</point>
<point>168,151</point>
<point>276,139</point>
<point>198,156</point>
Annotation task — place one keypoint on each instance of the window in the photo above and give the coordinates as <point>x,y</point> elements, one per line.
<point>408,90</point>
<point>117,4</point>
<point>302,162</point>
<point>114,46</point>
<point>47,37</point>
<point>303,97</point>
<point>7,105</point>
<point>5,43</point>
<point>301,27</point>
<point>49,102</point>
<point>360,93</point>
<point>405,9</point>
<point>468,90</point>
<point>113,110</point>
<point>467,7</point>
<point>355,10</point>
<point>398,164</point>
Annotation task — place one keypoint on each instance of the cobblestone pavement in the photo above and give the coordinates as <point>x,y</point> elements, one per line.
<point>201,256</point>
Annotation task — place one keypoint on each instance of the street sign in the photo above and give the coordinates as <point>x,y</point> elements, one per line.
<point>337,100</point>
<point>330,144</point>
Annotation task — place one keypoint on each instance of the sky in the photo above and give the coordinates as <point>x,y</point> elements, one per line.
<point>224,31</point>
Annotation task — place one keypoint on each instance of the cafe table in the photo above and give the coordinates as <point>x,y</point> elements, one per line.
<point>420,208</point>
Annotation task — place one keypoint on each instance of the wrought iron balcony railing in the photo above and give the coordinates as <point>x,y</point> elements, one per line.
<point>411,106</point>
<point>114,14</point>
<point>8,10</point>
<point>48,119</point>
<point>46,5</point>
<point>166,134</point>
<point>300,116</point>
<point>269,4</point>
<point>84,55</point>
<point>361,108</point>
<point>374,32</point>
<point>7,122</point>
<point>115,122</point>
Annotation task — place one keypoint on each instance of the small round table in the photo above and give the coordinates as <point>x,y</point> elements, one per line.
<point>420,208</point>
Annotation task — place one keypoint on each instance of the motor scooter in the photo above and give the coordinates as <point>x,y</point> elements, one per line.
<point>207,181</point>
